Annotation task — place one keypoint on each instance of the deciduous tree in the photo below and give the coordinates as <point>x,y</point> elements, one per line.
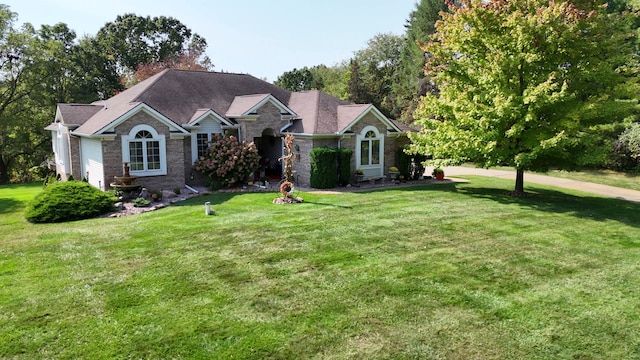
<point>520,82</point>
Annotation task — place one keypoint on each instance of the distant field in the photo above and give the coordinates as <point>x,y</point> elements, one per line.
<point>448,271</point>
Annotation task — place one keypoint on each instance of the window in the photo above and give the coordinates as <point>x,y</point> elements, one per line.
<point>144,150</point>
<point>370,152</point>
<point>202,141</point>
<point>370,149</point>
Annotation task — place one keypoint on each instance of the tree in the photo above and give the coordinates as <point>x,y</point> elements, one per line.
<point>375,67</point>
<point>298,80</point>
<point>20,82</point>
<point>134,40</point>
<point>409,81</point>
<point>520,83</point>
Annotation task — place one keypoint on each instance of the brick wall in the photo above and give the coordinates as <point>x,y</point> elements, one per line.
<point>112,155</point>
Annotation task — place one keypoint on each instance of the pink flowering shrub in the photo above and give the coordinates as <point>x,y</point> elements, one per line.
<point>228,161</point>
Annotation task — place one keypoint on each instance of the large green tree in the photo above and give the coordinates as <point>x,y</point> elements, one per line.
<point>133,40</point>
<point>520,82</point>
<point>299,79</point>
<point>21,65</point>
<point>375,65</point>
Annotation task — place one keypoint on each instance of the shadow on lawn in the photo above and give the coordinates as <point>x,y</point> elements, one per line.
<point>9,205</point>
<point>554,201</point>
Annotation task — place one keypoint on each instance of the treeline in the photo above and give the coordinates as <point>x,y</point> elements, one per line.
<point>390,74</point>
<point>42,67</point>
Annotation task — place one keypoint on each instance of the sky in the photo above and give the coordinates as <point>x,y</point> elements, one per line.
<point>263,38</point>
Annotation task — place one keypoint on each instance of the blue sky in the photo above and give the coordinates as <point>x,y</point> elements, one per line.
<point>259,37</point>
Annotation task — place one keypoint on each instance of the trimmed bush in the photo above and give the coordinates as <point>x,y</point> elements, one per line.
<point>68,201</point>
<point>323,168</point>
<point>344,165</point>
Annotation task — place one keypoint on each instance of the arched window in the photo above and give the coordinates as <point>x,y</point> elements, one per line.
<point>144,150</point>
<point>370,151</point>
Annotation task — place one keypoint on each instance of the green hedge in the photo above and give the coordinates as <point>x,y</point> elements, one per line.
<point>68,201</point>
<point>323,168</point>
<point>344,165</point>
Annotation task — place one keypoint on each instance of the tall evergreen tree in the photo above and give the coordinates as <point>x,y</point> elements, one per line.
<point>409,81</point>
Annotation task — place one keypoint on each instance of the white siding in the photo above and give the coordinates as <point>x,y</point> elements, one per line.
<point>61,149</point>
<point>91,153</point>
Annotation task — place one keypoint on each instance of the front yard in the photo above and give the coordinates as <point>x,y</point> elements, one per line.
<point>447,271</point>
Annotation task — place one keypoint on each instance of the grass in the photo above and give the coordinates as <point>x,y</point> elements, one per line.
<point>604,177</point>
<point>450,271</point>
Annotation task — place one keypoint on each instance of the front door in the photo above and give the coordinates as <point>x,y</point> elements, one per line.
<point>270,148</point>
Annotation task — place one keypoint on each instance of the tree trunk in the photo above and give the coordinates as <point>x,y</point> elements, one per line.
<point>4,172</point>
<point>519,182</point>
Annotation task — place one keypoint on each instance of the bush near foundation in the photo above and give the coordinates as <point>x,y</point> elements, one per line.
<point>68,201</point>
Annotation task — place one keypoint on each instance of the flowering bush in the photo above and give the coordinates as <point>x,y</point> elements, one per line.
<point>228,161</point>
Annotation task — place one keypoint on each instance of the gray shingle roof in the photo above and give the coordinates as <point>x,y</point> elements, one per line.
<point>180,95</point>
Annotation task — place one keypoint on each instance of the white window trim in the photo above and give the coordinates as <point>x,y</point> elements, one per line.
<point>370,170</point>
<point>194,144</point>
<point>126,139</point>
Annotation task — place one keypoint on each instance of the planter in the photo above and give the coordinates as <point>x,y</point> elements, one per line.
<point>439,176</point>
<point>394,175</point>
<point>359,177</point>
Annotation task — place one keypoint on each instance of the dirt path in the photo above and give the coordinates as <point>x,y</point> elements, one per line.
<point>604,190</point>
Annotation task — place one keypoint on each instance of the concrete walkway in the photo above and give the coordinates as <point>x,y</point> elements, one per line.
<point>603,190</point>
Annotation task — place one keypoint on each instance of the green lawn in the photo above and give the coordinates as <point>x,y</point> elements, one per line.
<point>604,177</point>
<point>448,271</point>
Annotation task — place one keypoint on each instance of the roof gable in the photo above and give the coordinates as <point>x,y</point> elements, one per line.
<point>248,105</point>
<point>75,114</point>
<point>202,114</point>
<point>348,115</point>
<point>135,110</point>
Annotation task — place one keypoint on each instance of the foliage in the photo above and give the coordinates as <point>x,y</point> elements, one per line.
<point>323,168</point>
<point>410,165</point>
<point>437,171</point>
<point>627,149</point>
<point>344,165</point>
<point>299,80</point>
<point>409,82</point>
<point>228,162</point>
<point>520,82</point>
<point>140,202</point>
<point>372,71</point>
<point>68,201</point>
<point>134,40</point>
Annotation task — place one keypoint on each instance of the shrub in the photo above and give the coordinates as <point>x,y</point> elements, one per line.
<point>410,165</point>
<point>344,165</point>
<point>68,201</point>
<point>626,149</point>
<point>228,162</point>
<point>141,202</point>
<point>323,168</point>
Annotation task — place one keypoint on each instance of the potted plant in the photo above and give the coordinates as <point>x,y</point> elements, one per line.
<point>438,173</point>
<point>394,173</point>
<point>359,175</point>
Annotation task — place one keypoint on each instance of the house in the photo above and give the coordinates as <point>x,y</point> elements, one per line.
<point>160,126</point>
